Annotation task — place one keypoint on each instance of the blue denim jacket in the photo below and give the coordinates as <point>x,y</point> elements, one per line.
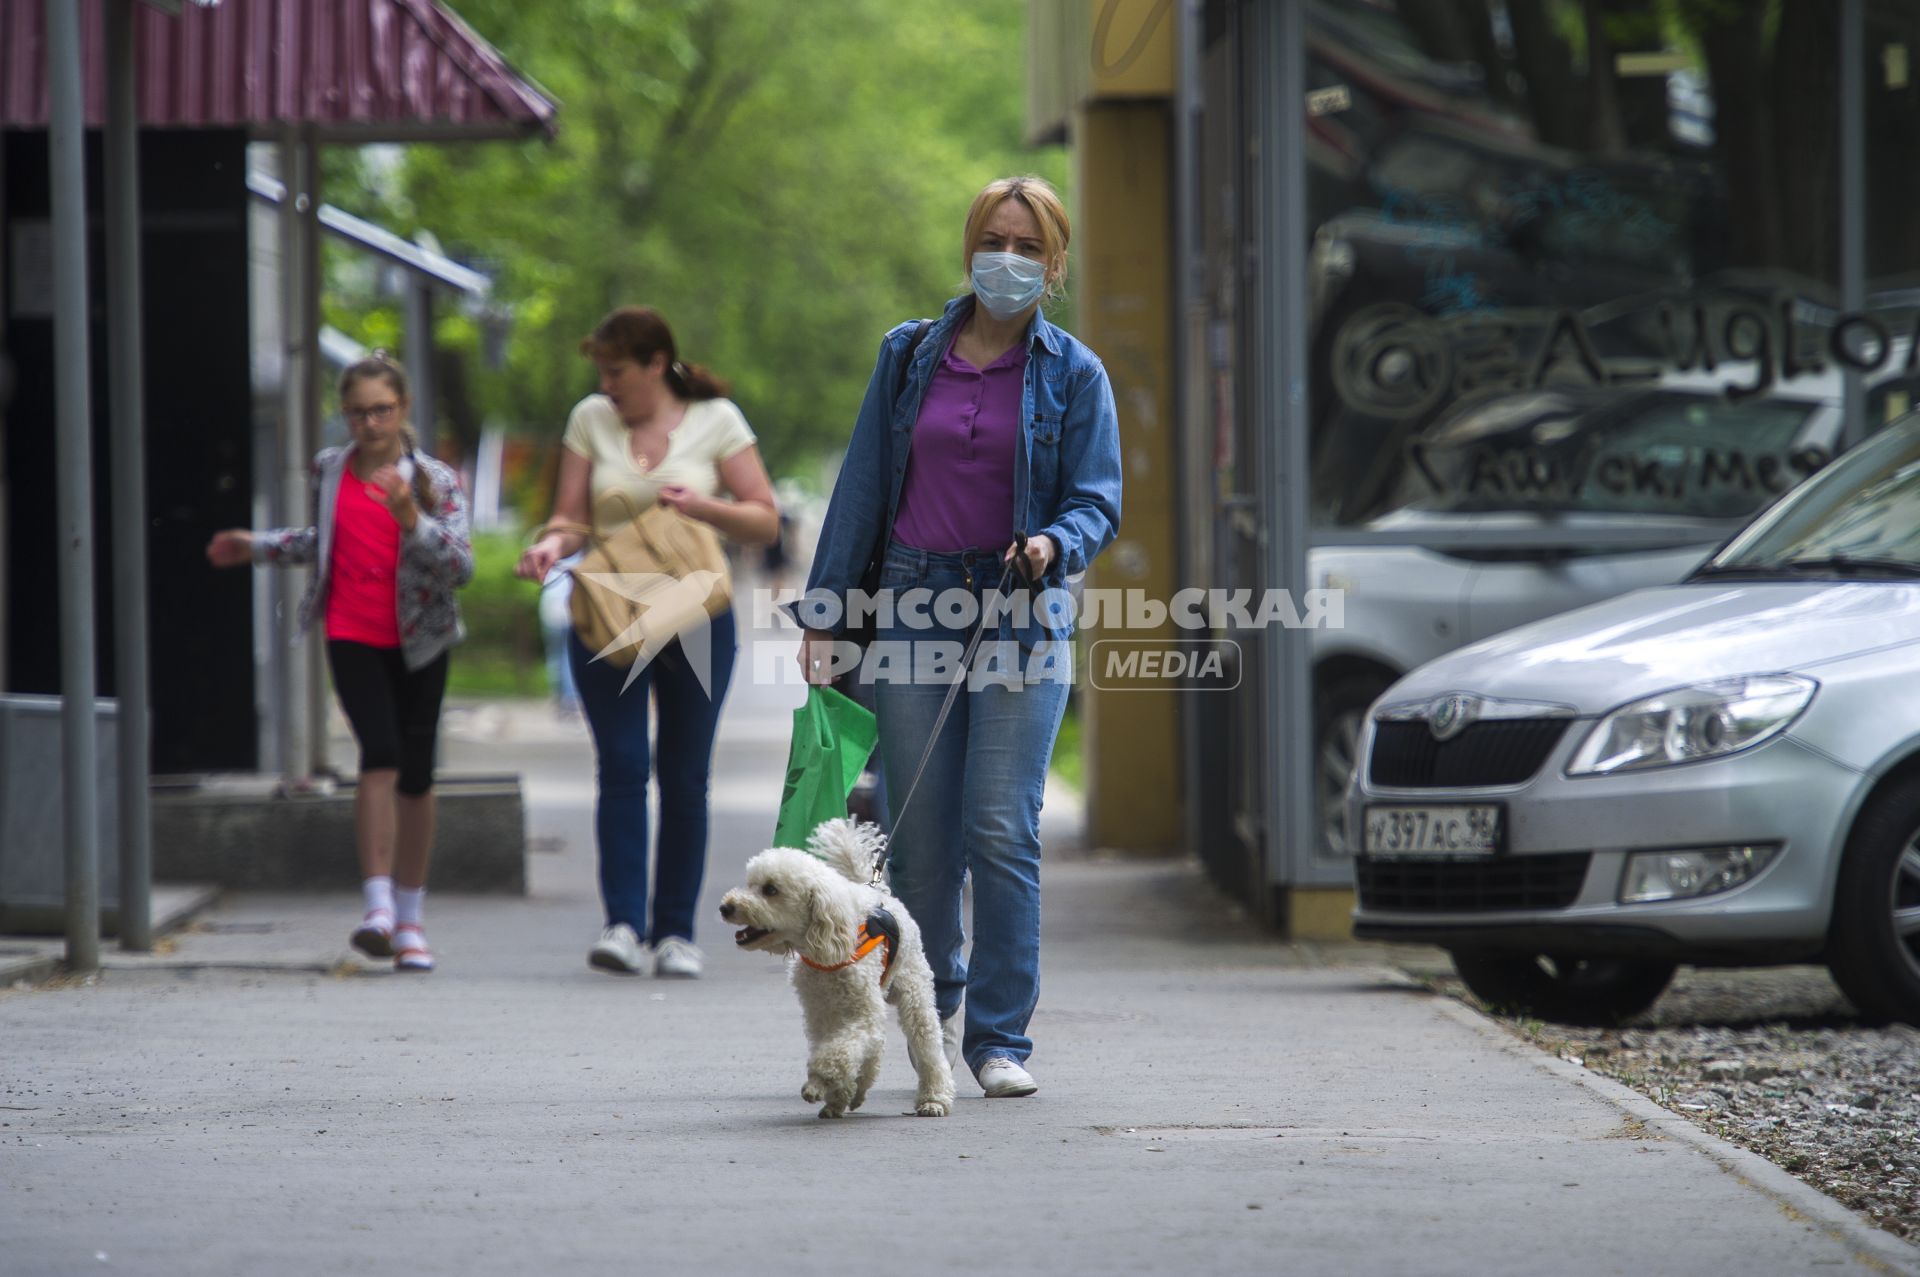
<point>1066,478</point>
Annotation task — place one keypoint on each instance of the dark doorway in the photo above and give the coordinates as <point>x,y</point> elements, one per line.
<point>198,437</point>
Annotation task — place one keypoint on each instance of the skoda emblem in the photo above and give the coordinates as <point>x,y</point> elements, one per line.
<point>1449,715</point>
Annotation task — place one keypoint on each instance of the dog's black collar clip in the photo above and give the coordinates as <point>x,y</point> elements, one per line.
<point>882,924</point>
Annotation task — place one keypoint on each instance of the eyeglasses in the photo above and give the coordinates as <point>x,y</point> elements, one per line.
<point>379,412</point>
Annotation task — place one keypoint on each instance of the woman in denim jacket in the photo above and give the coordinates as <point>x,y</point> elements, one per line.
<point>390,546</point>
<point>985,434</point>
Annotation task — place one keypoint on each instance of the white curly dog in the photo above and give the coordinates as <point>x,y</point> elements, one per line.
<point>851,948</point>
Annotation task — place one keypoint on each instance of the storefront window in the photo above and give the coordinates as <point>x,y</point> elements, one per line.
<point>1598,238</point>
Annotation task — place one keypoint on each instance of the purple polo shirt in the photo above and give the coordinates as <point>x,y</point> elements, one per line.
<point>958,493</point>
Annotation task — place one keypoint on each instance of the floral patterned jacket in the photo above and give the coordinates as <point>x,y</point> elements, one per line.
<point>436,558</point>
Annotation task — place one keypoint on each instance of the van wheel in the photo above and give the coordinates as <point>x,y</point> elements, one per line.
<point>1339,712</point>
<point>1566,990</point>
<point>1873,942</point>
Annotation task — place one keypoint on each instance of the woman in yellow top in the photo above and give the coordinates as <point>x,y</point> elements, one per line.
<point>658,431</point>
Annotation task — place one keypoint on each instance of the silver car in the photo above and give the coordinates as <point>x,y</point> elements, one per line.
<point>1725,771</point>
<point>1407,604</point>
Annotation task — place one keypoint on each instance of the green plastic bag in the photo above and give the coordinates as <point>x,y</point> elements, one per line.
<point>832,737</point>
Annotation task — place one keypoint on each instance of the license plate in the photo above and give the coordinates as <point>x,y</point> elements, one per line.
<point>1465,829</point>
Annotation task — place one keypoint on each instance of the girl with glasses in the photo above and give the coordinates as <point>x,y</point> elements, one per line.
<point>389,547</point>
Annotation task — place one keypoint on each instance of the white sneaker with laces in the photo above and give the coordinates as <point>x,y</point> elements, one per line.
<point>677,958</point>
<point>950,1037</point>
<point>618,950</point>
<point>1001,1078</point>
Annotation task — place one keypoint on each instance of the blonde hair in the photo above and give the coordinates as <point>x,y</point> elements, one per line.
<point>1043,202</point>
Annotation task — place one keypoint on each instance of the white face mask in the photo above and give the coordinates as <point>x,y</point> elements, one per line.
<point>1007,283</point>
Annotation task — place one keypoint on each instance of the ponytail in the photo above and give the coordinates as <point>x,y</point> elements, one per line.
<point>691,381</point>
<point>640,333</point>
<point>424,493</point>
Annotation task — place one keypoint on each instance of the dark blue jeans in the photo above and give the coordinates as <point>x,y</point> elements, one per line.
<point>689,715</point>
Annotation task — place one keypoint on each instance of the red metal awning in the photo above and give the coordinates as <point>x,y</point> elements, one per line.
<point>351,70</point>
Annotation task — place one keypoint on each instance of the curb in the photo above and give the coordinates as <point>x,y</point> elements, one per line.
<point>1872,1246</point>
<point>40,960</point>
<point>34,968</point>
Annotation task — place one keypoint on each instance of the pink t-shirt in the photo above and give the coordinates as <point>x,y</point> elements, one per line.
<point>361,603</point>
<point>958,493</point>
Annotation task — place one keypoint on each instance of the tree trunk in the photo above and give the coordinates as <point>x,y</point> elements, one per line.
<point>1555,92</point>
<point>1441,29</point>
<point>1893,143</point>
<point>1603,101</point>
<point>1735,47</point>
<point>1807,135</point>
<point>1477,25</point>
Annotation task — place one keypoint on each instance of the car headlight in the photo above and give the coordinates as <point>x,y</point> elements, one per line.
<point>1707,720</point>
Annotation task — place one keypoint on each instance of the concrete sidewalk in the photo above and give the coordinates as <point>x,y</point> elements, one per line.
<point>259,1100</point>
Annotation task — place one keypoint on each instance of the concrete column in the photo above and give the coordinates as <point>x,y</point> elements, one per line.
<point>128,459</point>
<point>1310,893</point>
<point>1123,288</point>
<point>1853,197</point>
<point>73,480</point>
<point>314,392</point>
<point>419,320</point>
<point>291,699</point>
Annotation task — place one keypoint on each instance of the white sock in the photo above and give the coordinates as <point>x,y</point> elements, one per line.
<point>378,892</point>
<point>409,905</point>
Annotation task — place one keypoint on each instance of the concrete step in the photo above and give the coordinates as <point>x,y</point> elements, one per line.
<point>35,953</point>
<point>242,832</point>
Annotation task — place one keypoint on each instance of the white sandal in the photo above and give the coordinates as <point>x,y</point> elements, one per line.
<point>410,952</point>
<point>374,935</point>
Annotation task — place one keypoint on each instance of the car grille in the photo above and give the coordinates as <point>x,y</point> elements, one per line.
<point>1503,751</point>
<point>1453,886</point>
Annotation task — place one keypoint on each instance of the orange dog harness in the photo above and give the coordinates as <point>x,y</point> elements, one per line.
<point>879,931</point>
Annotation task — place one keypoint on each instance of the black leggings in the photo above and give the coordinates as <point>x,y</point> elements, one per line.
<point>395,712</point>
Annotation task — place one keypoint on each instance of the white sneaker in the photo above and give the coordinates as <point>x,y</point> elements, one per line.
<point>677,958</point>
<point>1001,1078</point>
<point>618,949</point>
<point>950,1036</point>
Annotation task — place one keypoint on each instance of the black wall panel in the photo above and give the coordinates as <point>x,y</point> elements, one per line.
<point>198,439</point>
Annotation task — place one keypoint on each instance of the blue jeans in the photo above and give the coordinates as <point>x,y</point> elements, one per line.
<point>689,718</point>
<point>976,811</point>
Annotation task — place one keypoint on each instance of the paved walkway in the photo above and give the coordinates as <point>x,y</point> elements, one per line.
<point>256,1100</point>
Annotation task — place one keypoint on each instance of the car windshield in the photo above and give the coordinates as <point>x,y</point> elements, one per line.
<point>1657,452</point>
<point>1859,517</point>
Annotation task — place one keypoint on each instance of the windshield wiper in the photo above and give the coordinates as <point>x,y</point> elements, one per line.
<point>1739,569</point>
<point>1849,565</point>
<point>1837,564</point>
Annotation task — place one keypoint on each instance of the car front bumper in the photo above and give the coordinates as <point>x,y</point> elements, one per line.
<point>1780,793</point>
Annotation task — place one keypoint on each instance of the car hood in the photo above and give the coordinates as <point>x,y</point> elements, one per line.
<point>1597,657</point>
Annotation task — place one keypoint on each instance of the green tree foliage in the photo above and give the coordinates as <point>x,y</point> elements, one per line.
<point>783,181</point>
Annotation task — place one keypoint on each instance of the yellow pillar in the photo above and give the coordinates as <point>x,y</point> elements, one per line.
<point>1123,268</point>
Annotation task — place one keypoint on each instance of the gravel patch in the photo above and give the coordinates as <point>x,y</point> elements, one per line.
<point>1776,1061</point>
